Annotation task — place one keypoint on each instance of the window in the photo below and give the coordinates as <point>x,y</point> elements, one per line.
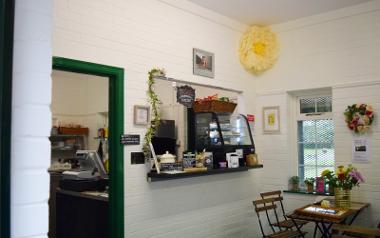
<point>315,136</point>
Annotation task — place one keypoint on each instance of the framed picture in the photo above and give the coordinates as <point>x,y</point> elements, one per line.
<point>271,120</point>
<point>141,115</point>
<point>203,63</point>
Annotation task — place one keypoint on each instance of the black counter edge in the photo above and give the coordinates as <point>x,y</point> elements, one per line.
<point>154,177</point>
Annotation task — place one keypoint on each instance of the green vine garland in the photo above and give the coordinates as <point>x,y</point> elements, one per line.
<point>154,101</point>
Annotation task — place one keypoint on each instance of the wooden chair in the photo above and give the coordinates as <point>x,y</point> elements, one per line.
<point>346,231</point>
<point>285,223</point>
<point>268,205</point>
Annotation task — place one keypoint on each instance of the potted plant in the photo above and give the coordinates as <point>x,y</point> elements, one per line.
<point>294,181</point>
<point>309,182</point>
<point>328,175</point>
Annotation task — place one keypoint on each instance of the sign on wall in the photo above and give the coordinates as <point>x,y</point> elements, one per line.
<point>130,139</point>
<point>186,95</point>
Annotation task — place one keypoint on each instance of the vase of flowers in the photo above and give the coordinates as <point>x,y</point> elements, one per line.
<point>342,198</point>
<point>309,182</point>
<point>343,180</point>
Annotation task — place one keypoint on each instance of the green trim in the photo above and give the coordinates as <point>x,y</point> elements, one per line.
<point>6,57</point>
<point>116,129</point>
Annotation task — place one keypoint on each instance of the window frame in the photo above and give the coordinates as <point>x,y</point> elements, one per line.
<point>316,115</point>
<point>307,117</point>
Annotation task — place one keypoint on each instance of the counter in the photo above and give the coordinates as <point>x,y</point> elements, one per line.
<point>154,177</point>
<point>81,214</point>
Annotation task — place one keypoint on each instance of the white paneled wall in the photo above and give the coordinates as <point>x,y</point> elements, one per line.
<point>273,148</point>
<point>337,50</point>
<point>31,119</point>
<point>327,50</point>
<point>138,35</point>
<point>370,190</point>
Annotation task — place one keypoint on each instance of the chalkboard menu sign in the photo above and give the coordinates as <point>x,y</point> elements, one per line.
<point>186,96</point>
<point>130,139</point>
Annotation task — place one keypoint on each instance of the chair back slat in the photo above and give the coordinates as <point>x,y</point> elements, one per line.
<point>265,208</point>
<point>272,193</point>
<point>266,205</point>
<point>263,201</point>
<point>276,195</point>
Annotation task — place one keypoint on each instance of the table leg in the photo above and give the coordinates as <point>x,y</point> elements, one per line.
<point>321,230</point>
<point>354,217</point>
<point>326,229</point>
<point>315,230</point>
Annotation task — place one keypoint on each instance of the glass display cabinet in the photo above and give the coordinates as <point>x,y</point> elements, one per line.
<point>220,133</point>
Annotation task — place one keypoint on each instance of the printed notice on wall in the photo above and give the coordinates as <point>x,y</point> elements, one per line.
<point>360,150</point>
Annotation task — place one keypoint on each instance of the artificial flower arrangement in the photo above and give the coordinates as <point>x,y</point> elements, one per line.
<point>359,117</point>
<point>213,97</point>
<point>345,177</point>
<point>214,103</point>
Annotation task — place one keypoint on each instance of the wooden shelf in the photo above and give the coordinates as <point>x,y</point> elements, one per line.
<point>154,177</point>
<point>59,136</point>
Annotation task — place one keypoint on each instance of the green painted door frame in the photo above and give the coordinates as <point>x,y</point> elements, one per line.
<point>7,8</point>
<point>116,129</point>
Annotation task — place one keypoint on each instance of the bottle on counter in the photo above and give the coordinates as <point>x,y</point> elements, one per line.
<point>101,132</point>
<point>105,132</point>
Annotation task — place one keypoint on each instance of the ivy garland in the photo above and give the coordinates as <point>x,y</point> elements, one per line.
<point>154,101</point>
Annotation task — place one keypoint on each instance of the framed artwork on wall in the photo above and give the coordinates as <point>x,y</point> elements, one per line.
<point>203,63</point>
<point>271,120</point>
<point>141,115</point>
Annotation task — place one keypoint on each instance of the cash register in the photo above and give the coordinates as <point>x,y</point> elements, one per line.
<point>91,174</point>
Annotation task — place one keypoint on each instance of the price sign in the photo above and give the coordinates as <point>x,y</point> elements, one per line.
<point>250,117</point>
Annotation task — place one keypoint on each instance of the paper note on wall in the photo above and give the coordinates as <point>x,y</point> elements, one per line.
<point>360,150</point>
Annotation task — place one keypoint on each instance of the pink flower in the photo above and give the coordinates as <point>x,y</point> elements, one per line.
<point>357,176</point>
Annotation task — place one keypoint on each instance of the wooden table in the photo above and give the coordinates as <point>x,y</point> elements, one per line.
<point>324,221</point>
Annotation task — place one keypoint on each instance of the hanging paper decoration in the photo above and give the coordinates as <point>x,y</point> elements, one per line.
<point>186,95</point>
<point>359,117</point>
<point>258,49</point>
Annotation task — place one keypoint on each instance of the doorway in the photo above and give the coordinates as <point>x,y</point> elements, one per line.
<point>116,129</point>
<point>6,56</point>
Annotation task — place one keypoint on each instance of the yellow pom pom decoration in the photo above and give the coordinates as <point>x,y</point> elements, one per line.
<point>258,49</point>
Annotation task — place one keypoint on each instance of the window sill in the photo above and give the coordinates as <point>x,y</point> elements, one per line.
<point>303,192</point>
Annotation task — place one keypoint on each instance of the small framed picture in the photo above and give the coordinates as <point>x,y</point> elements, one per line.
<point>141,115</point>
<point>271,120</point>
<point>203,63</point>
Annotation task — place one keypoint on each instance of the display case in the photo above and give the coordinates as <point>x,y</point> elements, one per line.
<point>220,133</point>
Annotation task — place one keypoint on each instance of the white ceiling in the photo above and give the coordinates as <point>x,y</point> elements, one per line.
<point>268,12</point>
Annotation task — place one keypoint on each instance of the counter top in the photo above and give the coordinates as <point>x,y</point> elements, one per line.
<point>154,177</point>
<point>101,196</point>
